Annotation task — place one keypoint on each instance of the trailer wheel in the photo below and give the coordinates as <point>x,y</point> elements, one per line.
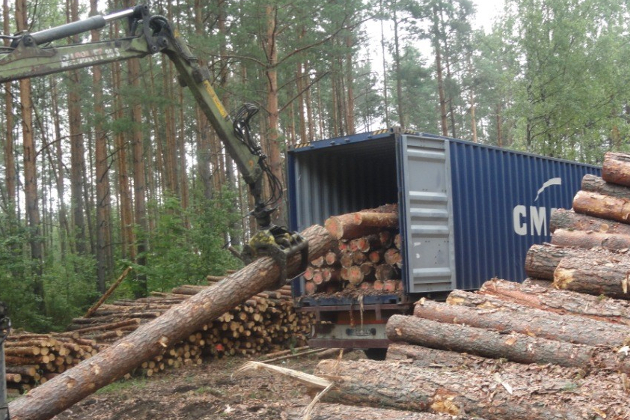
<point>376,354</point>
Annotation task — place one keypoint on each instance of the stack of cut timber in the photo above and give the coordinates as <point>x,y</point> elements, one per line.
<point>365,257</point>
<point>589,246</point>
<point>541,330</point>
<point>32,359</point>
<point>266,322</point>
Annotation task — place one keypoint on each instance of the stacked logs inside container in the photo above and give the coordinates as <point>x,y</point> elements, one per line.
<point>32,359</point>
<point>266,322</point>
<point>589,244</point>
<point>366,257</point>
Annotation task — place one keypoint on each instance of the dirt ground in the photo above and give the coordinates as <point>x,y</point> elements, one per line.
<point>207,391</point>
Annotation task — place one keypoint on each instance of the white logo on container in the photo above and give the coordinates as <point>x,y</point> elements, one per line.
<point>532,219</point>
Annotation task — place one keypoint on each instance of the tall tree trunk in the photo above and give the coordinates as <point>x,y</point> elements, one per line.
<point>271,73</point>
<point>9,155</point>
<point>383,43</point>
<point>139,180</point>
<point>440,71</point>
<point>77,149</point>
<point>102,178</point>
<point>498,122</point>
<point>126,222</point>
<point>203,127</point>
<point>349,86</point>
<point>64,231</point>
<point>401,114</point>
<point>473,120</point>
<point>309,108</point>
<point>30,170</point>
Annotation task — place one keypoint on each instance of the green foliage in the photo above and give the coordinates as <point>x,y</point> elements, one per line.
<point>179,254</point>
<point>17,276</point>
<point>69,288</point>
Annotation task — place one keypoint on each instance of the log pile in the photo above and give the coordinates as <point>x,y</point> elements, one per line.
<point>265,323</point>
<point>366,257</point>
<point>32,359</point>
<point>589,250</point>
<point>559,335</point>
<point>555,347</point>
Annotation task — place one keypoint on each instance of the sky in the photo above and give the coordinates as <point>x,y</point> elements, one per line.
<point>487,10</point>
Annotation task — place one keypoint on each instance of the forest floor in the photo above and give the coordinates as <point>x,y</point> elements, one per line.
<point>207,391</point>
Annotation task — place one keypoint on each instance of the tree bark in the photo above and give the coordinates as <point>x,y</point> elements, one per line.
<point>570,220</point>
<point>590,240</point>
<point>595,276</point>
<point>353,412</point>
<point>30,169</point>
<point>155,337</point>
<point>616,168</point>
<point>484,311</point>
<point>9,155</point>
<point>403,386</point>
<point>596,184</point>
<point>541,261</point>
<point>515,347</point>
<point>102,168</point>
<point>560,301</point>
<point>603,206</point>
<point>77,148</point>
<point>432,358</point>
<point>363,223</point>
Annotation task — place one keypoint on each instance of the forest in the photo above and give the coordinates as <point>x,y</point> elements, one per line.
<point>115,165</point>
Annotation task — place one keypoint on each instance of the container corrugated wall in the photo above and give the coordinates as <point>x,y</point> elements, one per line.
<point>502,202</point>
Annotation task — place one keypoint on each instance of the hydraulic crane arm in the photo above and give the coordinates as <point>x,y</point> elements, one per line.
<point>30,55</point>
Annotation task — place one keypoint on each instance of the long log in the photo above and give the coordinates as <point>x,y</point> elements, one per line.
<point>326,411</point>
<point>570,220</point>
<point>602,206</point>
<point>560,301</point>
<point>108,292</point>
<point>596,184</point>
<point>616,168</point>
<point>153,338</point>
<point>404,386</point>
<point>595,276</point>
<point>363,223</point>
<point>542,260</point>
<point>484,311</point>
<point>515,347</point>
<point>588,240</point>
<point>428,357</point>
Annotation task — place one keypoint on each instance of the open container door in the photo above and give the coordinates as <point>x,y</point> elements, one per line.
<point>426,214</point>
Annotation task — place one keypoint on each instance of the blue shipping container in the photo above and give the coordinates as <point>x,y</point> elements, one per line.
<point>468,212</point>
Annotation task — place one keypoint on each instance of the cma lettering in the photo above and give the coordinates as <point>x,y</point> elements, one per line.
<point>531,220</point>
